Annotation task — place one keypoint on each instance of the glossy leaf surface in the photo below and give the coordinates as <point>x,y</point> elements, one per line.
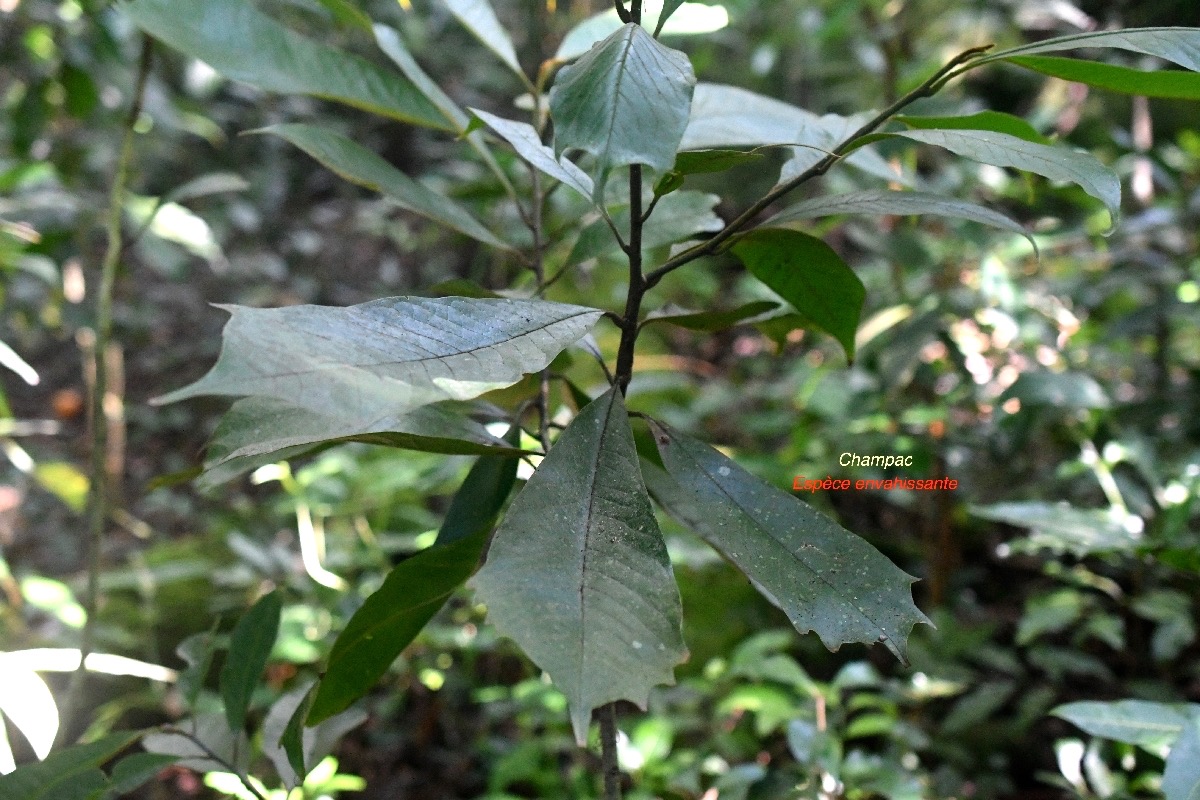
<point>578,574</point>
<point>242,43</point>
<point>1173,84</point>
<point>808,274</point>
<point>825,578</point>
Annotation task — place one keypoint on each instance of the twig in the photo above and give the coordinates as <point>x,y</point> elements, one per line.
<point>98,488</point>
<point>212,756</point>
<point>710,246</point>
<point>608,751</point>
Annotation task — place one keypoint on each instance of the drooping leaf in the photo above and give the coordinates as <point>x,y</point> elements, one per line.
<point>676,218</point>
<point>263,430</point>
<point>359,165</point>
<point>1178,45</point>
<point>293,748</point>
<point>1181,773</point>
<point>996,121</point>
<point>478,501</point>
<point>712,321</point>
<point>478,17</point>
<point>1002,150</point>
<point>607,101</point>
<point>387,356</point>
<point>874,201</point>
<point>528,144</point>
<point>578,573</point>
<point>808,274</point>
<point>70,774</point>
<point>691,19</point>
<point>390,619</point>
<point>825,578</point>
<point>1173,84</point>
<point>1136,722</point>
<point>242,43</point>
<point>249,647</point>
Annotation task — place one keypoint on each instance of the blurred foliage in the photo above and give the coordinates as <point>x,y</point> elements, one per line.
<point>1060,392</point>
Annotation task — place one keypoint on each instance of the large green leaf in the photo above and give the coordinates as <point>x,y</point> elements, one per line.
<point>240,42</point>
<point>389,620</point>
<point>70,774</point>
<point>1173,84</point>
<point>528,144</point>
<point>899,203</point>
<point>825,578</point>
<point>1131,721</point>
<point>388,356</point>
<point>1005,150</point>
<point>626,102</point>
<point>356,163</point>
<point>578,574</point>
<point>1178,45</point>
<point>263,430</point>
<point>1181,773</point>
<point>479,18</point>
<point>249,648</point>
<point>808,274</point>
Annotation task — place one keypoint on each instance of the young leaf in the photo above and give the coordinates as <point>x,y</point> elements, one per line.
<point>528,144</point>
<point>390,619</point>
<point>825,578</point>
<point>479,18</point>
<point>1178,45</point>
<point>578,573</point>
<point>898,203</point>
<point>359,165</point>
<point>387,356</point>
<point>1173,84</point>
<point>242,43</point>
<point>626,102</point>
<point>1136,722</point>
<point>1181,773</point>
<point>256,430</point>
<point>712,321</point>
<point>808,274</point>
<point>70,774</point>
<point>249,647</point>
<point>996,121</point>
<point>1055,163</point>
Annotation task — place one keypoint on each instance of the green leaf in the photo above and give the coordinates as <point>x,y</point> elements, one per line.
<point>387,356</point>
<point>359,165</point>
<point>1173,84</point>
<point>1061,528</point>
<point>1178,45</point>
<point>824,578</point>
<point>390,619</point>
<point>249,648</point>
<point>258,430</point>
<point>712,321</point>
<point>1181,773</point>
<point>478,501</point>
<point>677,217</point>
<point>70,774</point>
<point>807,273</point>
<point>996,121</point>
<point>695,162</point>
<point>578,574</point>
<point>1070,390</point>
<point>136,769</point>
<point>669,7</point>
<point>528,144</point>
<point>625,102</point>
<point>1135,722</point>
<point>1055,163</point>
<point>694,18</point>
<point>898,203</point>
<point>242,43</point>
<point>478,17</point>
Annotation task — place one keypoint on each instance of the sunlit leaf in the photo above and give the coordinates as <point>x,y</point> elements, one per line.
<point>70,774</point>
<point>242,43</point>
<point>356,163</point>
<point>578,574</point>
<point>1131,721</point>
<point>606,102</point>
<point>27,702</point>
<point>313,745</point>
<point>249,647</point>
<point>478,501</point>
<point>825,578</point>
<point>387,356</point>
<point>808,274</point>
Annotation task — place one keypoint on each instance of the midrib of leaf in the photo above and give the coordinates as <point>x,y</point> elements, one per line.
<point>612,117</point>
<point>746,513</point>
